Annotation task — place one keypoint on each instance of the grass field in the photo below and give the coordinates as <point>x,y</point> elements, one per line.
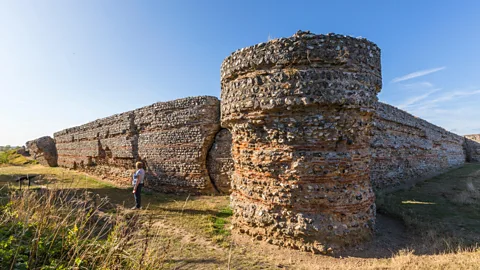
<point>443,211</point>
<point>10,157</point>
<point>434,225</point>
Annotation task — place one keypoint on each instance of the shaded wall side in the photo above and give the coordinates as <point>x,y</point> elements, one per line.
<point>406,149</point>
<point>472,147</point>
<point>43,150</point>
<point>220,162</point>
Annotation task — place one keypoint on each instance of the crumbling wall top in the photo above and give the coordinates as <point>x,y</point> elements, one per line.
<point>302,70</point>
<point>305,48</point>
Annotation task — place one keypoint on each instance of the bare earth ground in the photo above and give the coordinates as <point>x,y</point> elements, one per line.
<point>434,225</point>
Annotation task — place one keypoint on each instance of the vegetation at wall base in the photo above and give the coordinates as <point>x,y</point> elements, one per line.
<point>68,229</point>
<point>11,157</point>
<point>65,220</point>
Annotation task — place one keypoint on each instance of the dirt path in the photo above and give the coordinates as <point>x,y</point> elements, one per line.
<point>245,253</point>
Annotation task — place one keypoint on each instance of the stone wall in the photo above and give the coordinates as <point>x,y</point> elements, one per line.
<point>219,161</point>
<point>472,147</point>
<point>103,147</point>
<point>300,111</point>
<point>172,138</point>
<point>406,149</point>
<point>43,150</point>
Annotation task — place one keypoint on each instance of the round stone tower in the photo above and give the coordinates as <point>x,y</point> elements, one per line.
<point>300,111</point>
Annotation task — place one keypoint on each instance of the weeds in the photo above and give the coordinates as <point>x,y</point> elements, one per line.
<point>66,229</point>
<point>219,230</point>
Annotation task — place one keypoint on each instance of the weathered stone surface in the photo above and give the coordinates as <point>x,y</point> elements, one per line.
<point>43,150</point>
<point>172,138</point>
<point>23,151</point>
<point>102,147</point>
<point>300,111</point>
<point>219,161</point>
<point>472,147</point>
<point>406,149</point>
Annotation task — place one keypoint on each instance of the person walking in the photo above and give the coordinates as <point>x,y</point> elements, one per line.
<point>137,183</point>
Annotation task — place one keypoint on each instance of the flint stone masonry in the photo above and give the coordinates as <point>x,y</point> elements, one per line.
<point>406,149</point>
<point>300,111</point>
<point>172,138</point>
<point>43,150</point>
<point>472,146</point>
<point>219,161</point>
<point>102,147</point>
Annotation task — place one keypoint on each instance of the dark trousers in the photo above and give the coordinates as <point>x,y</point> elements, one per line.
<point>138,196</point>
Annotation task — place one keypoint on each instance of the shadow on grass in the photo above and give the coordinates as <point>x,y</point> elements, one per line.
<point>440,215</point>
<point>179,262</point>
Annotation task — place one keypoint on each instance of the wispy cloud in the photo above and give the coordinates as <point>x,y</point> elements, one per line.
<point>417,74</point>
<point>453,110</point>
<point>453,95</point>
<point>418,85</point>
<point>416,99</point>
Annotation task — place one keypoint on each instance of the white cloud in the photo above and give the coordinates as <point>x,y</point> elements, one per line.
<point>417,74</point>
<point>456,94</point>
<point>418,85</point>
<point>416,99</point>
<point>453,110</point>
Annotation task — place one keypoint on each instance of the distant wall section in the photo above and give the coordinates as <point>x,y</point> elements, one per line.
<point>406,149</point>
<point>43,150</point>
<point>472,147</point>
<point>172,138</point>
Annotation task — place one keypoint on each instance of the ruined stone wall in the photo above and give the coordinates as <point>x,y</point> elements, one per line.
<point>219,161</point>
<point>472,147</point>
<point>300,111</point>
<point>406,149</point>
<point>103,147</point>
<point>172,138</point>
<point>43,150</point>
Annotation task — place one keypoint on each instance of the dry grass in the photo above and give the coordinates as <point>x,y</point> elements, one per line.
<point>192,232</point>
<point>65,229</point>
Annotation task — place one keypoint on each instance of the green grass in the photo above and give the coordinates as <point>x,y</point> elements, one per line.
<point>53,177</point>
<point>219,230</point>
<point>444,210</point>
<point>10,157</point>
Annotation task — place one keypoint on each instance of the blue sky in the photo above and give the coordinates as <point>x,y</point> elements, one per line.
<point>65,63</point>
